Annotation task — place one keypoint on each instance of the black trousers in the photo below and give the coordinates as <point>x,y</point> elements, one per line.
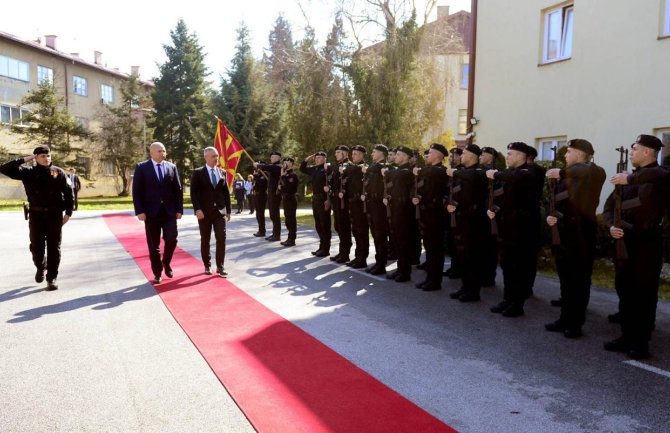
<point>401,217</point>
<point>359,229</point>
<point>519,264</point>
<point>217,222</point>
<point>432,222</point>
<point>260,203</point>
<point>574,264</point>
<point>274,202</point>
<point>489,257</point>
<point>636,283</point>
<point>322,223</point>
<point>290,207</point>
<point>251,199</point>
<point>342,225</point>
<point>46,232</point>
<point>471,233</point>
<point>379,227</point>
<point>450,234</point>
<point>153,226</point>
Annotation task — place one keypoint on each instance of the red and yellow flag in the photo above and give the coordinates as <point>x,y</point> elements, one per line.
<point>230,151</point>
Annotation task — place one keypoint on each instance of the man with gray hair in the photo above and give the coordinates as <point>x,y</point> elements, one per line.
<point>211,201</point>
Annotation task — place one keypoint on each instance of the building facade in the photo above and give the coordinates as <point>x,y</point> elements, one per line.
<point>86,89</point>
<point>548,71</point>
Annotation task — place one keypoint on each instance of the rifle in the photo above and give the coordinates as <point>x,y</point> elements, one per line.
<point>342,188</point>
<point>387,196</point>
<point>417,211</point>
<point>25,211</point>
<point>452,202</point>
<point>555,236</point>
<point>493,208</point>
<point>620,251</point>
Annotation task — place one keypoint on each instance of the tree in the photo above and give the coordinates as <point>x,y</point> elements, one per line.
<point>179,97</point>
<point>50,123</point>
<point>123,131</point>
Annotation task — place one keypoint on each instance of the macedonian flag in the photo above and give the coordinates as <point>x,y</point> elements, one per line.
<point>230,151</point>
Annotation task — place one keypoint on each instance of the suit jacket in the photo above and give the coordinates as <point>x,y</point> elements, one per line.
<point>149,194</point>
<point>205,197</point>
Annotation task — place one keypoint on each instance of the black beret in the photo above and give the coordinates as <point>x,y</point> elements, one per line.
<point>275,153</point>
<point>320,154</point>
<point>393,149</point>
<point>382,148</point>
<point>405,149</point>
<point>41,150</point>
<point>440,148</point>
<point>426,152</point>
<point>490,151</point>
<point>532,152</point>
<point>288,158</point>
<point>581,144</point>
<point>519,146</point>
<point>473,148</point>
<point>649,141</point>
<point>457,151</point>
<point>359,148</point>
<point>342,147</point>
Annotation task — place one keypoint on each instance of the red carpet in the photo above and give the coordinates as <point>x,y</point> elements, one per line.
<point>281,377</point>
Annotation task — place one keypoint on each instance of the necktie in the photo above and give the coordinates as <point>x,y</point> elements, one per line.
<point>213,178</point>
<point>160,172</point>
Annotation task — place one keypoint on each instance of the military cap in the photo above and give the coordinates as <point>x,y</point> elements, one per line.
<point>490,151</point>
<point>288,158</point>
<point>275,153</point>
<point>457,151</point>
<point>41,150</point>
<point>440,148</point>
<point>320,153</point>
<point>532,152</point>
<point>342,147</point>
<point>519,146</point>
<point>393,149</point>
<point>359,148</point>
<point>581,144</point>
<point>473,148</point>
<point>426,152</point>
<point>382,148</point>
<point>406,150</point>
<point>649,141</point>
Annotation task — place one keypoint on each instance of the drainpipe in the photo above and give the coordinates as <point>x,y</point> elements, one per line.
<point>471,71</point>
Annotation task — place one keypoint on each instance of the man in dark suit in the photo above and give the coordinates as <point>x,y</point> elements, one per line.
<point>211,198</point>
<point>76,186</point>
<point>159,202</point>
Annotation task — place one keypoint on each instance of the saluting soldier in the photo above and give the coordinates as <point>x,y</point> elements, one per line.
<point>433,181</point>
<point>340,205</point>
<point>321,203</point>
<point>517,219</point>
<point>373,195</point>
<point>399,183</point>
<point>471,221</point>
<point>288,187</point>
<point>352,175</point>
<point>538,173</point>
<point>415,230</point>
<point>455,270</point>
<point>49,195</point>
<point>274,199</point>
<point>489,247</point>
<point>577,194</point>
<point>644,203</point>
<point>259,191</point>
<point>391,165</point>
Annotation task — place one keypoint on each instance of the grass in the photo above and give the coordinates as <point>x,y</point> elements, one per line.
<point>85,203</point>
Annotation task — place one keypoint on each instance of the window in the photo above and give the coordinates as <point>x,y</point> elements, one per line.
<point>82,121</point>
<point>80,86</point>
<point>557,41</point>
<point>85,164</point>
<point>465,75</point>
<point>462,122</point>
<point>108,168</point>
<point>545,145</point>
<point>666,19</point>
<point>106,94</point>
<point>45,75</point>
<point>12,68</point>
<point>12,114</point>
<point>664,155</point>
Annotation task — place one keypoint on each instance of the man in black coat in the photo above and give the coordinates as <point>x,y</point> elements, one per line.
<point>321,204</point>
<point>211,204</point>
<point>340,204</point>
<point>158,199</point>
<point>49,195</point>
<point>76,186</point>
<point>274,199</point>
<point>373,195</point>
<point>259,192</point>
<point>353,188</point>
<point>288,188</point>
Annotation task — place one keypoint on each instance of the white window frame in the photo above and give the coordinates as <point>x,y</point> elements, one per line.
<point>106,94</point>
<point>545,144</point>
<point>45,75</point>
<point>564,48</point>
<point>14,68</point>
<point>79,85</point>
<point>15,114</point>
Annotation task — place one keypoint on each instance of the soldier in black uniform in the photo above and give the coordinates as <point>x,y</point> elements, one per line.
<point>288,187</point>
<point>489,247</point>
<point>373,195</point>
<point>415,231</point>
<point>352,176</point>
<point>321,204</point>
<point>260,196</point>
<point>644,200</point>
<point>433,182</point>
<point>577,194</point>
<point>391,165</point>
<point>49,195</point>
<point>399,183</point>
<point>340,205</point>
<point>472,222</point>
<point>455,270</point>
<point>517,219</point>
<point>538,173</point>
<point>274,199</point>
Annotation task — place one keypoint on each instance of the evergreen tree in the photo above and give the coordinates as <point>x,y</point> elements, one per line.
<point>179,97</point>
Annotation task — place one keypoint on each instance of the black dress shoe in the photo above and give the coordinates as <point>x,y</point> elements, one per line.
<point>573,333</point>
<point>617,345</point>
<point>272,238</point>
<point>322,254</point>
<point>502,306</point>
<point>157,279</point>
<point>288,243</point>
<point>421,265</point>
<point>332,258</point>
<point>457,294</point>
<point>614,318</point>
<point>259,234</point>
<point>402,278</point>
<point>640,351</point>
<point>357,264</point>
<point>431,288</point>
<point>392,275</point>
<point>221,273</point>
<point>378,270</point>
<point>369,268</point>
<point>514,310</point>
<point>421,285</point>
<point>208,270</point>
<point>51,285</point>
<point>39,276</point>
<point>469,297</point>
<point>556,326</point>
<point>168,270</point>
<point>556,302</point>
<point>342,259</point>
